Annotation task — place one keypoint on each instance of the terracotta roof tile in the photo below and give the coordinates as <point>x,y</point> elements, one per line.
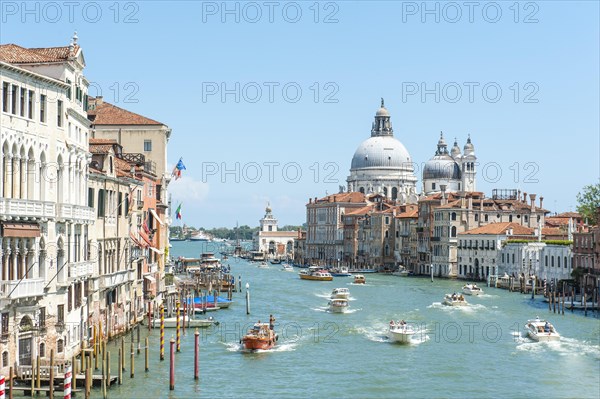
<point>103,113</point>
<point>414,213</point>
<point>13,54</point>
<point>500,228</point>
<point>103,141</point>
<point>354,196</point>
<point>360,211</point>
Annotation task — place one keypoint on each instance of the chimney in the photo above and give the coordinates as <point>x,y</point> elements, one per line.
<point>443,188</point>
<point>532,199</point>
<point>541,202</point>
<point>99,101</point>
<point>310,200</point>
<point>524,197</point>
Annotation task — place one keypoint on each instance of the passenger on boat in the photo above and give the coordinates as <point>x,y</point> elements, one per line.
<point>547,327</point>
<point>392,323</point>
<point>271,322</point>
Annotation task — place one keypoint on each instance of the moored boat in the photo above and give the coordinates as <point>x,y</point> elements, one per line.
<point>454,300</point>
<point>260,336</point>
<point>359,279</point>
<point>541,330</point>
<point>402,272</point>
<point>338,305</point>
<point>471,289</point>
<point>343,293</point>
<point>400,332</point>
<point>315,273</point>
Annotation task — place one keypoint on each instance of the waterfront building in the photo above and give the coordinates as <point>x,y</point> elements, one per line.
<point>351,234</point>
<point>113,192</point>
<point>547,260</point>
<point>405,232</point>
<point>382,165</point>
<point>586,249</point>
<point>46,260</point>
<point>325,225</point>
<point>300,248</point>
<point>269,240</point>
<point>144,142</point>
<point>465,211</point>
<point>453,170</point>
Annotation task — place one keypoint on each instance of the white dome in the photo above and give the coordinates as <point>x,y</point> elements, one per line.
<point>381,152</point>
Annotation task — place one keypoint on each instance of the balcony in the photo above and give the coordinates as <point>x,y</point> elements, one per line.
<point>25,288</point>
<point>27,208</point>
<point>69,211</point>
<point>80,270</point>
<point>113,279</point>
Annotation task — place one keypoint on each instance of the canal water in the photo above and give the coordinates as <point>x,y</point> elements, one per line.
<point>477,351</point>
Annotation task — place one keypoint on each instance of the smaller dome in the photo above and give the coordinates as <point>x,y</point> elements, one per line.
<point>441,167</point>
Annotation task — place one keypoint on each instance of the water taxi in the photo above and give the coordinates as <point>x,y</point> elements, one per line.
<point>402,272</point>
<point>455,300</point>
<point>286,267</point>
<point>343,293</point>
<point>315,273</point>
<point>359,279</point>
<point>400,332</point>
<point>338,305</point>
<point>260,336</point>
<point>471,289</point>
<point>541,330</point>
<point>263,265</point>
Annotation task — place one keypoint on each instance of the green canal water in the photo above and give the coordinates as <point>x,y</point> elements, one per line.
<point>479,351</point>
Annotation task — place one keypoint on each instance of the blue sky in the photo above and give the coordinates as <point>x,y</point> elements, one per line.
<point>301,90</point>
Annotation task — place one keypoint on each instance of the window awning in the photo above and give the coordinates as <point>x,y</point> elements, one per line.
<point>157,251</point>
<point>26,230</point>
<point>150,278</point>
<point>155,215</point>
<point>145,237</point>
<point>136,241</point>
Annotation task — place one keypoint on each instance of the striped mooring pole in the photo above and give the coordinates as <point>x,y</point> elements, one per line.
<point>178,332</point>
<point>67,383</point>
<point>162,333</point>
<point>2,387</point>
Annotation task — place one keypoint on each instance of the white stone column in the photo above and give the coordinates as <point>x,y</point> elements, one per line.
<point>31,176</point>
<point>23,177</point>
<point>8,176</point>
<point>16,181</point>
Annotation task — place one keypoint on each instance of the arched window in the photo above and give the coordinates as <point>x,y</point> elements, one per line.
<point>453,215</point>
<point>362,190</point>
<point>394,193</point>
<point>60,346</point>
<point>42,350</point>
<point>5,359</point>
<point>453,231</point>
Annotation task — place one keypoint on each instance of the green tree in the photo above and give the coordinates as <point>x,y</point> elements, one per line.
<point>588,202</point>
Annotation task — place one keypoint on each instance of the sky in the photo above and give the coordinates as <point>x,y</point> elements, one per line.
<point>268,101</point>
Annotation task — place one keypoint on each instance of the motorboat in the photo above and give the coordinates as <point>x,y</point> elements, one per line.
<point>359,279</point>
<point>455,300</point>
<point>260,336</point>
<point>286,267</point>
<point>541,330</point>
<point>208,301</point>
<point>315,273</point>
<point>402,272</point>
<point>338,305</point>
<point>275,261</point>
<point>343,293</point>
<point>171,322</point>
<point>400,332</point>
<point>199,236</point>
<point>341,272</point>
<point>471,289</point>
<point>263,265</point>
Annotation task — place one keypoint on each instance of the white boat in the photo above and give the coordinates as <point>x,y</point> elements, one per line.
<point>342,293</point>
<point>402,272</point>
<point>400,332</point>
<point>286,267</point>
<point>541,330</point>
<point>263,265</point>
<point>171,322</point>
<point>338,305</point>
<point>199,236</point>
<point>359,279</point>
<point>455,300</point>
<point>471,289</point>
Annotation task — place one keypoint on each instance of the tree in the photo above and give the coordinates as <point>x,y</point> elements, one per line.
<point>588,202</point>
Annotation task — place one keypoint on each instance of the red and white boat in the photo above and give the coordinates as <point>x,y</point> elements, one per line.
<point>260,336</point>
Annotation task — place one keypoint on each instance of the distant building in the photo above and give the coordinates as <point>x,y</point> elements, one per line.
<point>382,165</point>
<point>271,241</point>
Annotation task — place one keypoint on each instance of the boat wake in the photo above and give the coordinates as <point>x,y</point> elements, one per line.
<point>565,347</point>
<point>379,334</point>
<point>468,309</point>
<point>284,347</point>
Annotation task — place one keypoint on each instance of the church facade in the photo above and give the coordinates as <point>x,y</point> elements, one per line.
<point>272,242</point>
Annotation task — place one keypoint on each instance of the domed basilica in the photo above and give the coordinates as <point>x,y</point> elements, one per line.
<point>382,165</point>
